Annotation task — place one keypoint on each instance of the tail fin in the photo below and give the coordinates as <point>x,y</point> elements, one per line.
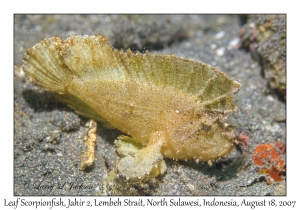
<point>44,65</point>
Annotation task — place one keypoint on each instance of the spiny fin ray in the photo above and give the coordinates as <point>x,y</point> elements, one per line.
<point>98,59</point>
<point>44,65</point>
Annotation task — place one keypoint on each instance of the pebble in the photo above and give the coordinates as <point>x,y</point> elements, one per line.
<point>220,51</point>
<point>233,43</point>
<point>213,46</point>
<point>220,35</point>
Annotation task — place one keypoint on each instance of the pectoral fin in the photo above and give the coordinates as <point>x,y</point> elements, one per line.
<point>148,160</point>
<point>126,145</point>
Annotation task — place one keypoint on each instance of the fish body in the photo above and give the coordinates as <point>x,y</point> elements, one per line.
<point>173,107</point>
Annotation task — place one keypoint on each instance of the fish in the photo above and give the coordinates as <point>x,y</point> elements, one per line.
<point>169,106</point>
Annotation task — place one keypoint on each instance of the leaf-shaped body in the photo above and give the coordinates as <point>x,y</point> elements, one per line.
<point>153,98</point>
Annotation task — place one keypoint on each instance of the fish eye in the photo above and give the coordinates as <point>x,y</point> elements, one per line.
<point>205,128</point>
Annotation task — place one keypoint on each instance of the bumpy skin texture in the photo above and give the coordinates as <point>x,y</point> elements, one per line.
<point>172,106</point>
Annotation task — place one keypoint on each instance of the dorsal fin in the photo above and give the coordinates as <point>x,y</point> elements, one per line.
<point>92,56</point>
<point>53,63</point>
